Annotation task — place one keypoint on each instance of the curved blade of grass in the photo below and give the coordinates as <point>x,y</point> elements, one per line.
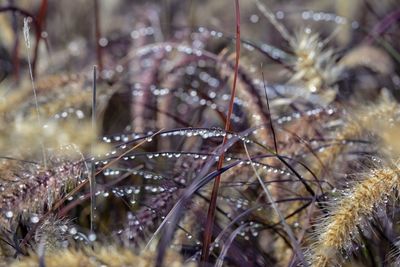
<point>227,244</point>
<point>174,215</point>
<point>293,240</point>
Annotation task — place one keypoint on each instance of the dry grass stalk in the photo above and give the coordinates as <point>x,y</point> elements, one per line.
<point>339,229</point>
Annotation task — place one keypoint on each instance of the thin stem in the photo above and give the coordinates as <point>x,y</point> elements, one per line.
<point>99,52</point>
<point>28,46</point>
<point>213,201</point>
<point>92,165</point>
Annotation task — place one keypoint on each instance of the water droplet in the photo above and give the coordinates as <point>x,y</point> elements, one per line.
<point>92,237</point>
<point>73,231</point>
<point>103,42</point>
<point>280,15</point>
<point>34,219</point>
<point>254,18</point>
